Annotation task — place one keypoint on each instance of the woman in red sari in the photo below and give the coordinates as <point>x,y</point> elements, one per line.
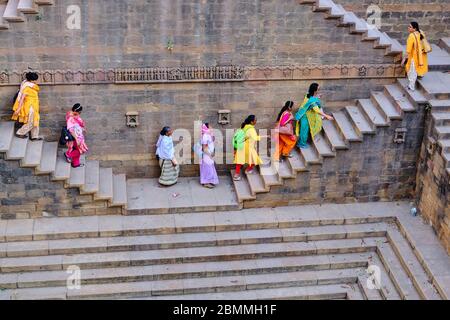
<point>285,139</point>
<point>76,127</point>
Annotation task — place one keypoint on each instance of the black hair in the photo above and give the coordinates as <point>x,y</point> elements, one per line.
<point>248,120</point>
<point>415,25</point>
<point>206,124</point>
<point>312,89</point>
<point>288,105</point>
<point>31,76</point>
<point>164,131</point>
<point>77,107</point>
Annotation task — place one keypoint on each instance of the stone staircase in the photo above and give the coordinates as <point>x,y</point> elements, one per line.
<point>46,158</point>
<point>356,25</point>
<point>351,125</point>
<point>308,252</point>
<point>13,11</point>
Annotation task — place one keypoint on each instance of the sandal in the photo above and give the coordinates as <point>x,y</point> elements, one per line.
<point>36,139</point>
<point>19,136</point>
<point>81,165</point>
<point>236,178</point>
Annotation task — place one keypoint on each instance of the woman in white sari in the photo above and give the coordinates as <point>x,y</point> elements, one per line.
<point>165,152</point>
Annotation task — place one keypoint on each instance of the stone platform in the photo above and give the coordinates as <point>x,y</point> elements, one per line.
<point>304,252</point>
<point>146,196</point>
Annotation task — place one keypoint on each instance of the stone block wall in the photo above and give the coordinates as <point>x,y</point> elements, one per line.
<point>432,15</point>
<point>433,186</point>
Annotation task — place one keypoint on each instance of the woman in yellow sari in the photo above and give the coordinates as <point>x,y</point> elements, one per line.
<point>417,64</point>
<point>248,154</point>
<point>309,117</point>
<point>26,107</point>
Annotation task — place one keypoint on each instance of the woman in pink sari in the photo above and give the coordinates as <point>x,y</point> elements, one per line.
<point>76,127</point>
<point>208,174</point>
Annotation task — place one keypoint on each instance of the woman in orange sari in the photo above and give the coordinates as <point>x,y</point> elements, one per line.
<point>26,107</point>
<point>285,138</point>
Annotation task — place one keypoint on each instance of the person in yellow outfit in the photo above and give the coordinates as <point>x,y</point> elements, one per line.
<point>26,107</point>
<point>417,63</point>
<point>248,154</point>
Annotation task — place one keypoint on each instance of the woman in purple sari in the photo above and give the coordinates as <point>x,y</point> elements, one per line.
<point>208,174</point>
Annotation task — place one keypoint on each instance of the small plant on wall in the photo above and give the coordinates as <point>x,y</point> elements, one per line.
<point>170,45</point>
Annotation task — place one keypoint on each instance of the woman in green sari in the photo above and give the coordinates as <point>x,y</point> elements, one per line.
<point>309,116</point>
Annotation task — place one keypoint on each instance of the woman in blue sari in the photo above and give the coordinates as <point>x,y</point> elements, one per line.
<point>309,116</point>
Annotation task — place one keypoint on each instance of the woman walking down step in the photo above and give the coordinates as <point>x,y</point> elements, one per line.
<point>309,116</point>
<point>417,48</point>
<point>76,127</point>
<point>208,173</point>
<point>165,153</point>
<point>245,148</point>
<point>285,139</point>
<point>26,107</point>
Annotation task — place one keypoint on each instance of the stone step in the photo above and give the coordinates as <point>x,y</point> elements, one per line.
<point>333,136</point>
<point>92,177</point>
<point>436,85</point>
<point>387,288</point>
<point>17,149</point>
<point>372,114</point>
<point>412,266</point>
<point>269,173</point>
<point>183,255</point>
<point>105,188</point>
<point>368,293</point>
<point>188,270</point>
<point>323,292</point>
<point>3,23</point>
<point>322,146</point>
<point>345,127</point>
<point>444,43</point>
<point>285,171</point>
<point>359,121</point>
<point>441,118</point>
<point>216,284</point>
<point>386,108</point>
<point>396,272</point>
<point>399,98</point>
<point>310,155</point>
<point>48,158</point>
<point>416,96</point>
<point>119,190</point>
<point>195,239</point>
<point>11,13</point>
<point>256,183</point>
<point>6,135</point>
<point>27,6</point>
<point>296,162</point>
<point>443,132</point>
<point>77,177</point>
<point>62,168</point>
<point>445,144</point>
<point>33,154</point>
<point>440,105</point>
<point>105,226</point>
<point>242,188</point>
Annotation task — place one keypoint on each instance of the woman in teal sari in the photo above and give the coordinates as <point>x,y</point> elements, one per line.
<point>309,116</point>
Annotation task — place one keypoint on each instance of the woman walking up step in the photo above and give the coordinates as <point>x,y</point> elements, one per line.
<point>309,116</point>
<point>26,107</point>
<point>245,150</point>
<point>417,48</point>
<point>77,128</point>
<point>165,153</point>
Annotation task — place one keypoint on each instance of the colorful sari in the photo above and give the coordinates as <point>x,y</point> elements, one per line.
<point>208,173</point>
<point>248,154</point>
<point>166,153</point>
<point>76,127</point>
<point>284,143</point>
<point>309,120</point>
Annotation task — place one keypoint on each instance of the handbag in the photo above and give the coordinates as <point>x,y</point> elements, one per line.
<point>66,136</point>
<point>287,129</point>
